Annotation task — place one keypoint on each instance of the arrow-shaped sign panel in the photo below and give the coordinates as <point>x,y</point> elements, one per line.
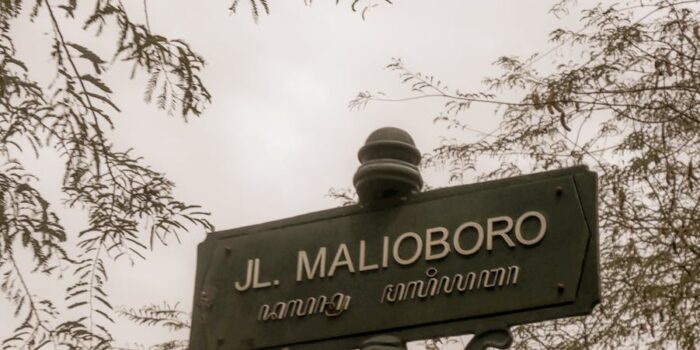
<point>445,262</point>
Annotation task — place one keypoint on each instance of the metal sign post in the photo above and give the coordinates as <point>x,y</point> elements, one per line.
<point>472,259</point>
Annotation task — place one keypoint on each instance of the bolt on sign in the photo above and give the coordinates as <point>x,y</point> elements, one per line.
<point>450,261</point>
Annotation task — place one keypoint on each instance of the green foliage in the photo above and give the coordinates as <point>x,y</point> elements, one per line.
<point>165,315</point>
<point>168,316</point>
<point>117,190</point>
<point>114,187</point>
<point>259,6</point>
<point>344,196</point>
<point>255,6</point>
<point>629,109</point>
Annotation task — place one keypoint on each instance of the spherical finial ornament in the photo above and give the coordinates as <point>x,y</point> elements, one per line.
<point>389,167</point>
<point>383,342</point>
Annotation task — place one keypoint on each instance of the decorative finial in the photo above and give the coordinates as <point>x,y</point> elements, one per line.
<point>389,167</point>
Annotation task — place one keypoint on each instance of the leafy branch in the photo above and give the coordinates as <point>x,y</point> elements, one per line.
<point>115,188</point>
<point>628,108</point>
<point>165,315</point>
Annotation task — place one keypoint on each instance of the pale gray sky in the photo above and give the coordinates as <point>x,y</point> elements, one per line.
<point>278,133</point>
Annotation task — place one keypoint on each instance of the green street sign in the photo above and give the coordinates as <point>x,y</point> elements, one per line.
<point>451,261</point>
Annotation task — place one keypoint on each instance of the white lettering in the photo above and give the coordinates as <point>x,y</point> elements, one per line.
<point>458,234</point>
<point>319,264</point>
<point>249,272</point>
<point>435,243</point>
<point>342,258</point>
<point>256,277</point>
<point>540,234</point>
<point>430,243</point>
<point>416,254</point>
<point>363,253</point>
<point>385,253</point>
<point>503,233</point>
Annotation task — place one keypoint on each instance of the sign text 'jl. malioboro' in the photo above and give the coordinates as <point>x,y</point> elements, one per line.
<point>466,259</point>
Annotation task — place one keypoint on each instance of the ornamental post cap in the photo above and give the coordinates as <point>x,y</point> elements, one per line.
<point>389,167</point>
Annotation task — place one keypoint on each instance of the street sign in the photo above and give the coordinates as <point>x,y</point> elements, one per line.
<point>450,261</point>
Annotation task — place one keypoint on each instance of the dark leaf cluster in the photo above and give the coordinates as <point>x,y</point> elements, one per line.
<point>115,188</point>
<point>629,109</point>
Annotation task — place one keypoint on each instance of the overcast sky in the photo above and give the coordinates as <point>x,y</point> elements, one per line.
<point>278,133</point>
